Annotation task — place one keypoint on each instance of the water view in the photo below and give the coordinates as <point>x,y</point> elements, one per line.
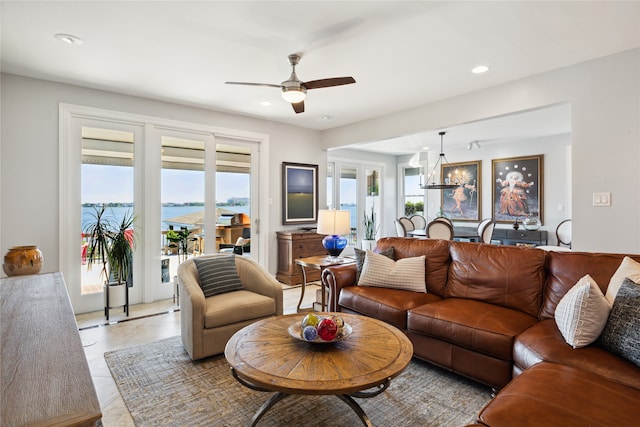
<point>169,210</point>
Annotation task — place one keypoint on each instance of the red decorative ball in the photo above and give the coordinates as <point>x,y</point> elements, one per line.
<point>327,329</point>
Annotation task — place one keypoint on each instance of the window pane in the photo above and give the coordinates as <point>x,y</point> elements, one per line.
<point>413,195</point>
<point>348,198</point>
<point>107,180</point>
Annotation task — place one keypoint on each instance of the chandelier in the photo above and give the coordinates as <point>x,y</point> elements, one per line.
<point>451,181</point>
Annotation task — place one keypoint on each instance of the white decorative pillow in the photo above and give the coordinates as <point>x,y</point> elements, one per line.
<point>406,273</point>
<point>582,313</point>
<point>628,269</point>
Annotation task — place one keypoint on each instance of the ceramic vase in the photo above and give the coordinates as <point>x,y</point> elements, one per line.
<point>22,260</point>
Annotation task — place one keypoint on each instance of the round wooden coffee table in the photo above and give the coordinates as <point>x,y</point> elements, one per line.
<point>264,357</point>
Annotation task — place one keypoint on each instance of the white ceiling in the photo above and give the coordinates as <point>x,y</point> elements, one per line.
<point>402,54</point>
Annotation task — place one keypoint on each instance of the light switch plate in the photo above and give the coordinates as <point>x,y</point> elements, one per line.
<point>601,199</point>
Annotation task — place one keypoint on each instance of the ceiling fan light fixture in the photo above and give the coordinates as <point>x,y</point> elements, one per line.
<point>294,94</point>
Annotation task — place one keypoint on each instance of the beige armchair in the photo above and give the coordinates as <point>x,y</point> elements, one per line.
<point>208,323</point>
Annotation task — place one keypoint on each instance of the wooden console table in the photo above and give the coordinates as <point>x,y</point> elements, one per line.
<point>293,245</point>
<point>45,378</point>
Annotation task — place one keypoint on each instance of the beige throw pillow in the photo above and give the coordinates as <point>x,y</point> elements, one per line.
<point>406,273</point>
<point>628,269</point>
<point>582,313</point>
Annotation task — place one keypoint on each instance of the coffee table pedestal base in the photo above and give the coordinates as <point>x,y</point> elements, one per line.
<point>348,399</point>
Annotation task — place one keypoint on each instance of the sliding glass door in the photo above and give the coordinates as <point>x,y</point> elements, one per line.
<point>191,191</point>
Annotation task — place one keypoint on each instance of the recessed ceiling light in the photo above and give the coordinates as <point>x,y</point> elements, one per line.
<point>480,69</point>
<point>265,103</point>
<point>326,117</point>
<point>68,38</point>
<point>425,148</point>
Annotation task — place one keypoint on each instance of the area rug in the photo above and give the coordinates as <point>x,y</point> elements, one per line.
<point>161,386</point>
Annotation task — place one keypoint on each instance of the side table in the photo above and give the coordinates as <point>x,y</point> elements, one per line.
<point>317,263</point>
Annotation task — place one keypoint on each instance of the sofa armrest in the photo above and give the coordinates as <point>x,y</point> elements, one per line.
<point>257,279</point>
<point>192,306</point>
<point>335,278</point>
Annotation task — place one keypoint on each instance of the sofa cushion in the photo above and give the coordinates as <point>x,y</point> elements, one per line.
<point>437,262</point>
<point>217,275</point>
<point>544,342</point>
<point>550,394</point>
<point>388,305</point>
<point>360,256</point>
<point>582,313</point>
<point>628,269</point>
<point>621,334</point>
<point>406,273</point>
<point>236,306</point>
<point>474,325</point>
<point>507,276</point>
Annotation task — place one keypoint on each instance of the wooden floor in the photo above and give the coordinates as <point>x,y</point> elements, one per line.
<point>144,325</point>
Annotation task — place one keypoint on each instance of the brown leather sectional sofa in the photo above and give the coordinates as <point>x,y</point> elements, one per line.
<point>489,315</point>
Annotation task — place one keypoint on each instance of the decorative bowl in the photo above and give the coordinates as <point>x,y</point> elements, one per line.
<point>295,330</point>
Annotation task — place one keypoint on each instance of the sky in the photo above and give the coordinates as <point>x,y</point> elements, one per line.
<point>114,184</point>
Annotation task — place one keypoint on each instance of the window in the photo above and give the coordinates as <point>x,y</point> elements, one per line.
<point>412,195</point>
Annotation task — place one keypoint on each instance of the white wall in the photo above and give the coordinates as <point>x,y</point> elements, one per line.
<point>29,194</point>
<point>605,149</point>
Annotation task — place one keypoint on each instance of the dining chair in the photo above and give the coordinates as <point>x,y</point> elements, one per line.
<point>419,222</point>
<point>400,230</point>
<point>485,230</point>
<point>563,233</point>
<point>439,230</point>
<point>443,219</point>
<point>406,223</point>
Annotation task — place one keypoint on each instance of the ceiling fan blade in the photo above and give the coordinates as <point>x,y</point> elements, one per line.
<point>335,81</point>
<point>298,107</point>
<point>253,84</point>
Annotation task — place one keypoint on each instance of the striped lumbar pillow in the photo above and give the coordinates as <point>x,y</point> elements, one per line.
<point>407,273</point>
<point>218,274</point>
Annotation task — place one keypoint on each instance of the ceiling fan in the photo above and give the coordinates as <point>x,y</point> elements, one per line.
<point>294,90</point>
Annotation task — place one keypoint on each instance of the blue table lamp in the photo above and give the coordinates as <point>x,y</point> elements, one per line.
<point>335,224</point>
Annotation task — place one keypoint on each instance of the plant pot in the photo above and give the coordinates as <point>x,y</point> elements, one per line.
<point>368,245</point>
<point>22,260</point>
<point>117,294</point>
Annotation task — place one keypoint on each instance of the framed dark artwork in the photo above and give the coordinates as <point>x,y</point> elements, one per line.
<point>517,188</point>
<point>299,193</point>
<point>463,203</point>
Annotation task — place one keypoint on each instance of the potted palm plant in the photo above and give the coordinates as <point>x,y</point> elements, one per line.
<point>112,244</point>
<point>370,230</point>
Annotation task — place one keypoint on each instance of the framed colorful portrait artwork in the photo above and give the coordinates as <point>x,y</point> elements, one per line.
<point>463,203</point>
<point>299,193</point>
<point>517,188</point>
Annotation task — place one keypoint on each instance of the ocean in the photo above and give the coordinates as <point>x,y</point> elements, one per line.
<point>171,211</point>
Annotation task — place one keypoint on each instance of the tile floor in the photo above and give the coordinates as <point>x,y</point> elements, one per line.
<point>141,327</point>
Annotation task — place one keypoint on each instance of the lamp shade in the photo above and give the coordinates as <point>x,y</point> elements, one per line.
<point>334,222</point>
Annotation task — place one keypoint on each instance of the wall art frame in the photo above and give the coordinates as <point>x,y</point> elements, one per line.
<point>299,193</point>
<point>517,188</point>
<point>463,203</point>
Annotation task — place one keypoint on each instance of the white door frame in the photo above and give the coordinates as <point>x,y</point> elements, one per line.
<point>71,118</point>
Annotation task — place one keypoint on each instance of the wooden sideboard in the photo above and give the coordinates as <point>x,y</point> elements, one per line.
<point>521,236</point>
<point>45,377</point>
<point>293,245</point>
<point>504,236</point>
